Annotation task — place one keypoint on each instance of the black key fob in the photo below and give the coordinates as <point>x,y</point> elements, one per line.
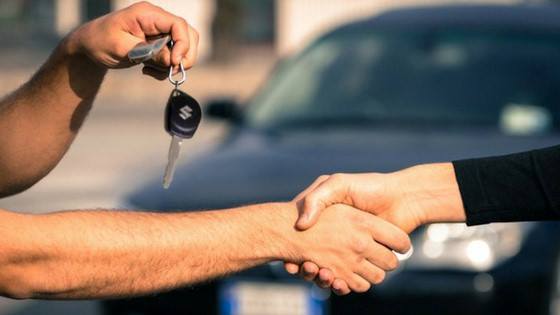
<point>182,115</point>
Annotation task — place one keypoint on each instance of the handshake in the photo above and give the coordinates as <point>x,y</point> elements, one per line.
<point>368,217</point>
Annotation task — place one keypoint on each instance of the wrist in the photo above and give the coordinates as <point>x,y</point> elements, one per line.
<point>431,192</point>
<point>73,47</point>
<point>280,227</point>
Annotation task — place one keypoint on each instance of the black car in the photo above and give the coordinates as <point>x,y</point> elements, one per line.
<point>409,86</point>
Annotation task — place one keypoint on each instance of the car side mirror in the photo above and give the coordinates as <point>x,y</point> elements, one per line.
<point>224,109</point>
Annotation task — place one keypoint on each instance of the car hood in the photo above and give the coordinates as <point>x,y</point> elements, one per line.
<point>252,167</point>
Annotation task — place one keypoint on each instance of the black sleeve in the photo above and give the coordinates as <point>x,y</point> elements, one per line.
<point>516,187</point>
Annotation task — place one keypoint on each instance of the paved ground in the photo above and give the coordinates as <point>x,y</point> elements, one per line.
<point>122,142</point>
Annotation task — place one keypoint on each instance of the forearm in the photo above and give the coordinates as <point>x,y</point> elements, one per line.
<point>43,116</point>
<point>517,187</point>
<point>96,254</point>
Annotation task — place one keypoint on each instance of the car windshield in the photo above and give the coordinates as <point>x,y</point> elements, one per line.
<point>509,79</point>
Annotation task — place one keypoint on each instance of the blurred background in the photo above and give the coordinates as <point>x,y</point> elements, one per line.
<point>433,94</point>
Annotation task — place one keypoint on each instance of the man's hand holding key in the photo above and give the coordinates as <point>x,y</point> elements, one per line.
<point>109,39</point>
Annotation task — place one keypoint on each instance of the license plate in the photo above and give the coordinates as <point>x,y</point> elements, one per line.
<point>270,298</point>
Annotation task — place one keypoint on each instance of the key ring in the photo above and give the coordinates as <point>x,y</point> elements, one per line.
<point>183,76</point>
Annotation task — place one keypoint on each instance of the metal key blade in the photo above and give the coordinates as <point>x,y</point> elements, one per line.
<point>174,150</point>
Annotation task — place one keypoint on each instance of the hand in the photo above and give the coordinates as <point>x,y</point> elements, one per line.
<point>351,245</point>
<point>408,199</point>
<point>108,39</point>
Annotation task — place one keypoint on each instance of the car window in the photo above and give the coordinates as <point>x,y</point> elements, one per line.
<point>424,77</point>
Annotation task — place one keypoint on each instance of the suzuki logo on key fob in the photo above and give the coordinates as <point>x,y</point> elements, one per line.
<point>182,115</point>
<point>185,112</point>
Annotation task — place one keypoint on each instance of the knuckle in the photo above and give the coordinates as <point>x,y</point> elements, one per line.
<point>359,245</point>
<point>338,176</point>
<point>142,5</point>
<point>182,21</point>
<point>361,221</point>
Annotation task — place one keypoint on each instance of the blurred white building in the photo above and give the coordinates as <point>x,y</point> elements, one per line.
<point>294,22</point>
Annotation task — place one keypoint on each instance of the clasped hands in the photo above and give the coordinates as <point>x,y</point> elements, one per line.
<point>392,204</point>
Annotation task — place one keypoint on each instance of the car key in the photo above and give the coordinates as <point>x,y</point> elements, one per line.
<point>182,117</point>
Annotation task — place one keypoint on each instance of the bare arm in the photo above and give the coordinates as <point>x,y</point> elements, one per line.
<point>98,254</point>
<point>39,121</point>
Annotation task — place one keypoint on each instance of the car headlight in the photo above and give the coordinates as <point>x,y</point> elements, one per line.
<point>456,246</point>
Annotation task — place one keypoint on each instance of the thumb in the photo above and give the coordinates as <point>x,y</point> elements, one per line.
<point>310,207</point>
<point>308,214</point>
<point>127,42</point>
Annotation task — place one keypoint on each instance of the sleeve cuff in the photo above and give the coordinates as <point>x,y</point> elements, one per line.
<point>477,209</point>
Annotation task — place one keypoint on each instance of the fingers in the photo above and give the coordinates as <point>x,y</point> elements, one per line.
<point>326,193</point>
<point>359,284</point>
<point>366,276</point>
<point>340,287</point>
<point>154,21</point>
<point>162,59</point>
<point>291,268</point>
<point>309,271</point>
<point>373,270</point>
<point>370,273</point>
<point>382,257</point>
<point>325,278</point>
<point>389,235</point>
<point>190,59</point>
